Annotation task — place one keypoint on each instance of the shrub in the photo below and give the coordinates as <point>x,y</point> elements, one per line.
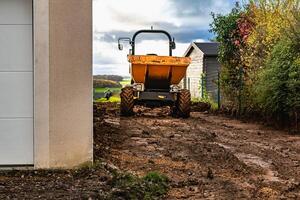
<point>279,83</point>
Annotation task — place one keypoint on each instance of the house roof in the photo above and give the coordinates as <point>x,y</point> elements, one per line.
<point>208,48</point>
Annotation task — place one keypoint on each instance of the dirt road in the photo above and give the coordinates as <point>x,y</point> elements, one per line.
<point>205,156</point>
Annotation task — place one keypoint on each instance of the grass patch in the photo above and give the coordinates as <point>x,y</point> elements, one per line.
<point>125,82</point>
<point>151,186</point>
<point>102,90</point>
<point>86,168</point>
<point>113,99</point>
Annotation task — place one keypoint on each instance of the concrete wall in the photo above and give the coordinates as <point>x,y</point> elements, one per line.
<point>41,83</point>
<point>65,140</point>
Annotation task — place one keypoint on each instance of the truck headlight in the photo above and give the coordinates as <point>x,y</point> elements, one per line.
<point>174,88</point>
<point>138,87</point>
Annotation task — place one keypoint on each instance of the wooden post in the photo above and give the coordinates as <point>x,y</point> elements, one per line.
<point>219,93</point>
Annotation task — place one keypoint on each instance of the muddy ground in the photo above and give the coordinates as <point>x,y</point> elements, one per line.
<point>204,157</point>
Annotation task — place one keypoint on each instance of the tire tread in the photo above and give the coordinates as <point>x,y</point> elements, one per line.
<point>127,101</point>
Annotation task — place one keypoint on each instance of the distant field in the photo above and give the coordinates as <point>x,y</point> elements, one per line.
<point>125,82</point>
<point>116,92</point>
<point>102,90</point>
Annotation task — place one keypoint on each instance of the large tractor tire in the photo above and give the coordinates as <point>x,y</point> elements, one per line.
<point>183,104</point>
<point>127,101</point>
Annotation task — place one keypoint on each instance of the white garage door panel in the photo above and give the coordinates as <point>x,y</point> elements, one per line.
<point>15,48</point>
<point>16,83</point>
<point>16,142</point>
<point>15,11</point>
<point>16,90</point>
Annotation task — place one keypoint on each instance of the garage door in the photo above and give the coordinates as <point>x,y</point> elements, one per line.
<point>16,83</point>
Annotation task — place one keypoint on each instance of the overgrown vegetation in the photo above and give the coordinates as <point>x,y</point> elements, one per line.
<point>205,98</point>
<point>128,186</point>
<point>259,53</point>
<point>152,186</point>
<point>278,89</point>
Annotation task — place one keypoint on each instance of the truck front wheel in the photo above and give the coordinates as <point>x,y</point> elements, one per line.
<point>127,101</point>
<point>183,104</point>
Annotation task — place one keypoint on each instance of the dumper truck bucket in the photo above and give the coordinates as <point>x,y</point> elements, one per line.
<point>158,71</point>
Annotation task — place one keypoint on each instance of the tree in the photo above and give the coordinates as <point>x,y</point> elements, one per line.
<point>224,27</point>
<point>270,19</point>
<point>247,39</point>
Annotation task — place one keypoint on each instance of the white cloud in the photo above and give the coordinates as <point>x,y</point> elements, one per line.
<point>200,40</point>
<point>177,16</point>
<point>112,69</point>
<point>129,15</point>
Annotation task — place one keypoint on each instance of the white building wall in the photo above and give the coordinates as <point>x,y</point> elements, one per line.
<point>63,122</point>
<point>194,72</point>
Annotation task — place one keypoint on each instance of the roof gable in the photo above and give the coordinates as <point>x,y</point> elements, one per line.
<point>208,48</point>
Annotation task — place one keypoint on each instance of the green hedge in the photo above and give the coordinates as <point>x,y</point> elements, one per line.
<point>278,89</point>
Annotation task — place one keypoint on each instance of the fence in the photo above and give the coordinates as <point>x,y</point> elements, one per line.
<point>194,85</point>
<point>205,87</point>
<point>211,86</point>
<point>238,104</point>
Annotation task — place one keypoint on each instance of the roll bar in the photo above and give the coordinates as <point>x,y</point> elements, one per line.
<point>172,44</point>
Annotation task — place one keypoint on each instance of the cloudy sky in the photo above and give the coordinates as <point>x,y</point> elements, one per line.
<point>186,20</point>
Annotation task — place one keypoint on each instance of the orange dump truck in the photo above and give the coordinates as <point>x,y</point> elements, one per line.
<point>155,80</point>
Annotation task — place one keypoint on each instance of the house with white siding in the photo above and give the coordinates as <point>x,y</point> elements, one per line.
<point>204,69</point>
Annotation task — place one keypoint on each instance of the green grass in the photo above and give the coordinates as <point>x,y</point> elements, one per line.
<point>102,90</point>
<point>152,186</point>
<point>115,91</point>
<point>112,99</point>
<point>125,82</point>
